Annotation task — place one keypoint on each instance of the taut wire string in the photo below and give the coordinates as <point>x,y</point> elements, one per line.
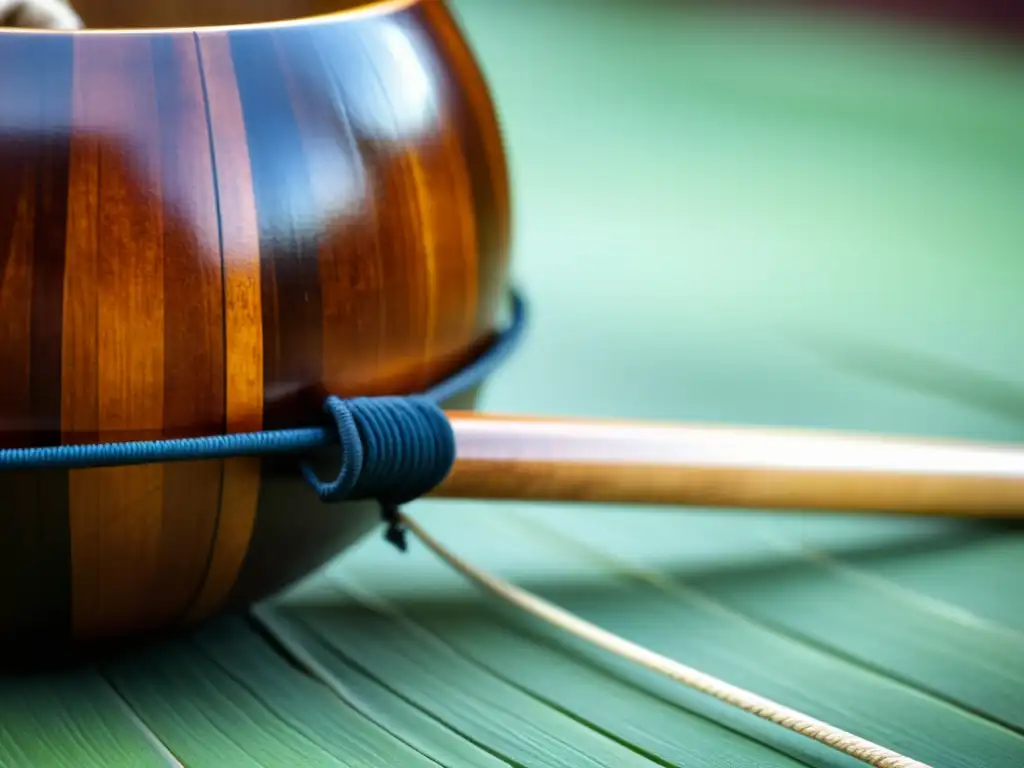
<point>866,751</point>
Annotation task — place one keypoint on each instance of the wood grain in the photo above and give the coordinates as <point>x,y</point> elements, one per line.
<point>607,461</point>
<point>206,232</point>
<point>238,234</point>
<point>35,583</point>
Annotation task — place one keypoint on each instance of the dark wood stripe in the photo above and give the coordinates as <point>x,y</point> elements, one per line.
<point>243,340</point>
<point>35,115</point>
<point>290,228</point>
<point>289,235</point>
<point>194,384</point>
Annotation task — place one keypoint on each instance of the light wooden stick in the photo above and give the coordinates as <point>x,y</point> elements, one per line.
<point>514,458</point>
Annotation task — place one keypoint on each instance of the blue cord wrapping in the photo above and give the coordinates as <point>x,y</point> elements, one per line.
<point>393,449</point>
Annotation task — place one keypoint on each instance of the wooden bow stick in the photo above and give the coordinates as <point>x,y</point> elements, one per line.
<point>514,458</point>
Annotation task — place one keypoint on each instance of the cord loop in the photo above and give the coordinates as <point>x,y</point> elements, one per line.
<point>393,449</point>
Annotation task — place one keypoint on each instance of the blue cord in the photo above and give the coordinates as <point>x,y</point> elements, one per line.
<point>393,449</point>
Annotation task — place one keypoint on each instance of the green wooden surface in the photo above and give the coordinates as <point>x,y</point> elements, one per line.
<point>717,219</point>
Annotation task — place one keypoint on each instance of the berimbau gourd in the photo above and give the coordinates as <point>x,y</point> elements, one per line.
<point>207,229</point>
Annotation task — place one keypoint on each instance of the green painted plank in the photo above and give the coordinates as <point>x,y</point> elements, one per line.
<point>803,591</point>
<point>226,698</point>
<point>441,682</point>
<point>72,719</point>
<point>921,641</point>
<point>305,703</point>
<point>925,642</point>
<point>382,706</point>
<point>975,665</point>
<point>509,647</point>
<point>985,579</point>
<point>687,625</point>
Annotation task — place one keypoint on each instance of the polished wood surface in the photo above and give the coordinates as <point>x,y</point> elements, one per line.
<point>714,466</point>
<point>206,232</point>
<point>126,14</point>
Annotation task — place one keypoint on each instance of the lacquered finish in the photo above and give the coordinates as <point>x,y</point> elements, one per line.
<point>205,232</point>
<point>581,460</point>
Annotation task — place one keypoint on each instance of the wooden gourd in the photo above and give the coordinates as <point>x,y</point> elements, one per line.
<point>205,230</point>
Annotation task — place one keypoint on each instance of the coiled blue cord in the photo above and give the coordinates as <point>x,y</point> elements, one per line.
<point>393,449</point>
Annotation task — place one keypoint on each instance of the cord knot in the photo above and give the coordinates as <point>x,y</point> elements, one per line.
<point>394,531</point>
<point>393,449</point>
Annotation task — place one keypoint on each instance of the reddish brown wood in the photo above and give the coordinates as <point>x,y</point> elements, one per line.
<point>206,231</point>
